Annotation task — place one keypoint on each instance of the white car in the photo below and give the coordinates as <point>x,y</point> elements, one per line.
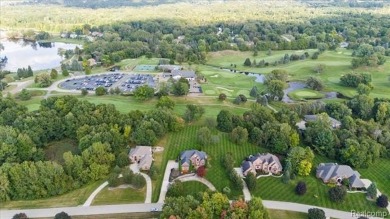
<point>153,209</point>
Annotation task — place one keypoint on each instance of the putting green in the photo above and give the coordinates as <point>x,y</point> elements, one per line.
<point>305,94</point>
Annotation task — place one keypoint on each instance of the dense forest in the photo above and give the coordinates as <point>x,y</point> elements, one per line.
<point>184,43</point>
<point>102,133</point>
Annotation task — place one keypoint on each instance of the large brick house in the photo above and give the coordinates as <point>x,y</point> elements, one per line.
<point>191,158</point>
<point>266,163</point>
<point>334,173</point>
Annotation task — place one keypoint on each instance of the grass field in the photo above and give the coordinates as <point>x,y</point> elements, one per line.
<point>317,193</point>
<point>193,188</point>
<point>126,104</point>
<point>119,196</point>
<point>337,63</point>
<point>130,64</point>
<point>231,84</point>
<point>54,150</point>
<point>278,214</point>
<point>73,198</point>
<point>117,216</point>
<point>380,174</point>
<point>305,94</point>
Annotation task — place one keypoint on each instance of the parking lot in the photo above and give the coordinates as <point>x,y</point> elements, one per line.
<point>125,82</point>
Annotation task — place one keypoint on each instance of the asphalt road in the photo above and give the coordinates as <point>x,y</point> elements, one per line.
<point>81,210</point>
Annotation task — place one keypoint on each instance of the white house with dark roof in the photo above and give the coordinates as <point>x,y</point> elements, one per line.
<point>311,118</point>
<point>192,158</point>
<point>177,74</point>
<point>143,156</point>
<point>334,173</point>
<point>267,163</point>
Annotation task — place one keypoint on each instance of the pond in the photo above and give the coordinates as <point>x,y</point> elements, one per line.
<point>39,56</point>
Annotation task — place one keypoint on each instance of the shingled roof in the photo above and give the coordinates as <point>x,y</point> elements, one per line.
<point>186,155</point>
<point>328,171</point>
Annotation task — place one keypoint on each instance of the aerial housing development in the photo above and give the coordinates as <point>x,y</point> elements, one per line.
<point>266,109</point>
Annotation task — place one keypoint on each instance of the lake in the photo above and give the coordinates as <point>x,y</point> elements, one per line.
<point>39,56</point>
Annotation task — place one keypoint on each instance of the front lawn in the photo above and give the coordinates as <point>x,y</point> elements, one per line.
<point>193,188</point>
<point>278,214</point>
<point>379,172</point>
<point>73,198</point>
<point>119,196</point>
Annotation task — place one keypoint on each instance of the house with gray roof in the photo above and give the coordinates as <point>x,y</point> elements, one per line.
<point>177,74</point>
<point>266,163</point>
<point>143,156</point>
<point>191,158</point>
<point>334,173</point>
<point>311,118</point>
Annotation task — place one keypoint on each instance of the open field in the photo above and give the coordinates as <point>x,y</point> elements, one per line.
<point>55,149</point>
<point>73,198</point>
<point>131,64</point>
<point>336,63</point>
<point>119,196</point>
<point>231,84</point>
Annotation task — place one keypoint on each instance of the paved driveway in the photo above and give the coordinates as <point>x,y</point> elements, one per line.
<point>148,198</point>
<point>164,186</point>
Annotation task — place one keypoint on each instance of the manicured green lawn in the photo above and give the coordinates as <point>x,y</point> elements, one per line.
<point>278,214</point>
<point>216,173</point>
<point>272,188</point>
<point>193,188</point>
<point>55,150</point>
<point>73,198</point>
<point>119,196</point>
<point>305,94</point>
<point>380,174</point>
<point>231,84</point>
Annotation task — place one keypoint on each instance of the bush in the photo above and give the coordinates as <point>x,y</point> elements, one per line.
<point>20,216</point>
<point>204,136</point>
<point>382,201</point>
<point>113,180</point>
<point>222,97</point>
<point>201,171</point>
<point>176,189</point>
<point>239,135</point>
<point>122,160</point>
<point>100,91</point>
<point>138,181</point>
<point>316,213</point>
<point>53,74</point>
<point>315,83</point>
<point>353,79</point>
<point>128,176</point>
<point>226,190</point>
<point>301,188</point>
<point>372,190</point>
<point>84,92</point>
<point>236,180</point>
<point>62,215</point>
<point>338,193</point>
<point>24,95</point>
<point>143,93</point>
<point>153,172</point>
<point>250,181</point>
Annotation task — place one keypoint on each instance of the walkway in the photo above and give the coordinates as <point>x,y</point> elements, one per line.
<point>94,193</point>
<point>165,183</point>
<point>148,198</point>
<point>190,177</point>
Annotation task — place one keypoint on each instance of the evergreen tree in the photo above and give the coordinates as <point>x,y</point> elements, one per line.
<point>247,62</point>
